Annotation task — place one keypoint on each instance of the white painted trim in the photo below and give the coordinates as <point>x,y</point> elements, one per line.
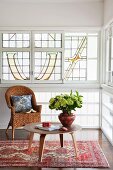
<point>48,49</point>
<point>62,60</point>
<point>63,87</point>
<point>110,140</point>
<point>107,88</point>
<point>111,126</point>
<point>64,92</point>
<point>65,28</point>
<point>103,57</point>
<point>106,106</point>
<point>78,114</point>
<point>90,127</point>
<point>100,107</point>
<point>98,57</point>
<point>108,24</point>
<point>7,49</point>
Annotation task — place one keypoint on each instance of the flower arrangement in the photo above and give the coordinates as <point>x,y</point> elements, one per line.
<point>66,102</point>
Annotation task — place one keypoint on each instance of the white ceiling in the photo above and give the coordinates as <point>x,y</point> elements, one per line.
<point>48,1</point>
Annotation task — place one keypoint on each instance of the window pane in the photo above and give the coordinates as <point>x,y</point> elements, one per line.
<point>87,116</point>
<point>16,40</point>
<point>5,44</point>
<point>12,43</point>
<point>92,47</point>
<point>79,49</point>
<point>48,40</point>
<point>47,65</point>
<point>92,70</point>
<point>5,36</point>
<point>75,56</point>
<point>16,66</point>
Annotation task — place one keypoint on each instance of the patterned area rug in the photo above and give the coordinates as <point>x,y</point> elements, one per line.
<point>15,154</point>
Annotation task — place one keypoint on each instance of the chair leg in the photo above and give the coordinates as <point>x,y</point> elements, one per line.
<point>13,131</point>
<point>8,127</point>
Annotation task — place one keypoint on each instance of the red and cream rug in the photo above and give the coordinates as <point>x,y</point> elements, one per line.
<point>15,154</point>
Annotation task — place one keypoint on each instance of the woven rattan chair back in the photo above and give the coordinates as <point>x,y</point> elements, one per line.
<point>18,91</point>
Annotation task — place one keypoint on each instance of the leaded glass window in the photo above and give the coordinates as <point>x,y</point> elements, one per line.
<point>53,56</point>
<point>16,65</point>
<point>48,40</point>
<point>18,40</point>
<point>48,56</point>
<point>48,65</point>
<point>80,56</point>
<point>16,56</point>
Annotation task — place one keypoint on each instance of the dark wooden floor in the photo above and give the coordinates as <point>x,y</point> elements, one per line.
<point>81,135</point>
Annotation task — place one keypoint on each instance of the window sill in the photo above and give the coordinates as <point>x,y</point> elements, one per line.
<point>107,88</point>
<point>57,87</point>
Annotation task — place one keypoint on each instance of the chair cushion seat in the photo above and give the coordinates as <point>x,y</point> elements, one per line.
<point>22,103</point>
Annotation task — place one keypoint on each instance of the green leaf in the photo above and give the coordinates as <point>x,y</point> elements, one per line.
<point>66,102</point>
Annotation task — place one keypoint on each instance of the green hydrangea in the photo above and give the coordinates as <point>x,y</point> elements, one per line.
<point>66,102</point>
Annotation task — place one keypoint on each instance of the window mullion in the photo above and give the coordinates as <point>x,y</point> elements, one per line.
<point>98,59</point>
<point>48,49</point>
<point>32,57</point>
<point>6,49</point>
<point>63,57</point>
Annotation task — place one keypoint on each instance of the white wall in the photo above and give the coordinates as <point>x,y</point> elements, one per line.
<point>4,111</point>
<point>36,13</point>
<point>108,11</point>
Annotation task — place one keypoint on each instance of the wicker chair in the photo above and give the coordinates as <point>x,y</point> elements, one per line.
<point>21,119</point>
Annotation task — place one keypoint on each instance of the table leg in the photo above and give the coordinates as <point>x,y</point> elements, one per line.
<point>31,139</point>
<point>61,140</point>
<point>41,146</point>
<point>75,144</point>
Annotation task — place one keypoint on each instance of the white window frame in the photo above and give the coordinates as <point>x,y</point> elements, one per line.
<point>15,49</point>
<point>46,50</point>
<point>98,61</point>
<point>31,81</point>
<point>108,47</point>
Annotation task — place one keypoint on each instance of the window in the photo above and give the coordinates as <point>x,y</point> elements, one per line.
<point>87,116</point>
<point>109,54</point>
<point>49,57</point>
<point>107,114</point>
<point>80,56</point>
<point>15,56</point>
<point>48,40</point>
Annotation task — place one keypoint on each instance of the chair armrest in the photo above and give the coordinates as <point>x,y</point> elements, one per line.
<point>38,108</point>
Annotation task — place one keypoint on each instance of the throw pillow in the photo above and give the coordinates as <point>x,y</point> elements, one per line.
<point>22,103</point>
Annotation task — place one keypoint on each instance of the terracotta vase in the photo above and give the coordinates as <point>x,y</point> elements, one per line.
<point>66,119</point>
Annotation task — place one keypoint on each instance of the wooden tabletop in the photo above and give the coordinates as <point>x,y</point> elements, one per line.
<point>31,128</point>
